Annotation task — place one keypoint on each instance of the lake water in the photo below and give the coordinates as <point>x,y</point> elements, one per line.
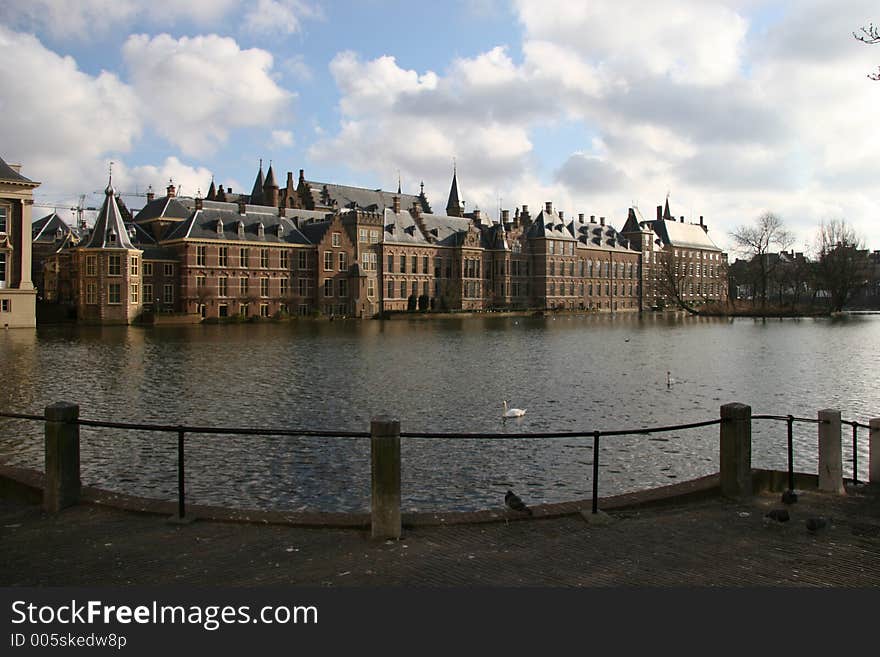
<point>571,373</point>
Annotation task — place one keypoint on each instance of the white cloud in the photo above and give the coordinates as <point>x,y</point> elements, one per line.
<point>86,18</point>
<point>187,179</point>
<point>195,90</point>
<point>59,122</point>
<point>279,16</point>
<point>281,139</point>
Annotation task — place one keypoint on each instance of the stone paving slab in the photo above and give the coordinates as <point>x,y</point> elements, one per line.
<point>708,542</point>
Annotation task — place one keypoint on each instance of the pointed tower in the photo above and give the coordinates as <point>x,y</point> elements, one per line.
<point>257,191</point>
<point>212,191</point>
<point>270,188</point>
<point>454,206</point>
<point>109,269</point>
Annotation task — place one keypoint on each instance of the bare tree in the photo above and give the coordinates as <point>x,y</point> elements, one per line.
<point>869,35</point>
<point>756,242</point>
<point>842,267</point>
<point>673,281</point>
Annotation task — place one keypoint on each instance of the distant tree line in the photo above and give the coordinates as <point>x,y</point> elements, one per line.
<point>771,275</point>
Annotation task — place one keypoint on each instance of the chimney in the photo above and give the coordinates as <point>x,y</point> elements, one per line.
<point>198,202</point>
<point>548,207</point>
<point>280,210</point>
<point>478,216</point>
<point>659,212</point>
<point>396,201</point>
<point>170,191</point>
<point>302,175</point>
<point>581,217</point>
<point>241,206</point>
<point>561,215</point>
<point>601,221</point>
<point>150,194</point>
<point>416,209</point>
<point>592,218</point>
<point>505,216</point>
<point>681,219</point>
<point>703,226</point>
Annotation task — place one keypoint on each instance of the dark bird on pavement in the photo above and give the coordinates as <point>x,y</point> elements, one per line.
<point>815,524</point>
<point>789,497</point>
<point>780,515</point>
<point>514,503</point>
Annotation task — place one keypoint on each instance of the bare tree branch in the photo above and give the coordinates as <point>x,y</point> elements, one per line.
<point>869,35</point>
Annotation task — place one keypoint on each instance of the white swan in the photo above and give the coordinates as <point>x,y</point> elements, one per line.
<point>513,412</point>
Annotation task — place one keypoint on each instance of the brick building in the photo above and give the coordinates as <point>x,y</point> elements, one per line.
<point>335,250</point>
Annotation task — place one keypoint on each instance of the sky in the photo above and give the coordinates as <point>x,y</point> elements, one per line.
<point>729,108</point>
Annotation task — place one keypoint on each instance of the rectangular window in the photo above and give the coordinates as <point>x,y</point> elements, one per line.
<point>148,294</point>
<point>328,287</point>
<point>415,264</point>
<point>133,293</point>
<point>243,258</point>
<point>302,260</point>
<point>201,282</point>
<point>148,268</point>
<point>551,247</point>
<point>403,289</point>
<point>285,287</point>
<point>343,288</point>
<point>264,258</point>
<point>168,294</point>
<point>285,260</point>
<point>402,263</point>
<point>114,265</point>
<point>134,266</point>
<point>390,265</point>
<point>343,261</point>
<point>374,236</point>
<point>328,260</point>
<point>114,293</point>
<point>390,289</point>
<point>425,288</point>
<point>168,270</point>
<point>264,310</point>
<point>337,239</point>
<point>264,287</point>
<point>4,219</point>
<point>91,293</point>
<point>91,266</point>
<point>223,256</point>
<point>5,306</point>
<point>362,235</point>
<point>243,286</point>
<point>201,258</point>
<point>222,286</point>
<point>371,287</point>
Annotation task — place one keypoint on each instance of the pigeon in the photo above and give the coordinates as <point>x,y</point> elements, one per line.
<point>815,524</point>
<point>789,497</point>
<point>513,502</point>
<point>780,515</point>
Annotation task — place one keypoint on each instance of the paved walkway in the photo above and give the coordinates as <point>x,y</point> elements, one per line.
<point>713,542</point>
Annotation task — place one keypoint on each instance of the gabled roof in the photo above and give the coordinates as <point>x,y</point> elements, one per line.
<point>45,230</point>
<point>173,207</point>
<point>202,225</point>
<point>110,231</point>
<point>596,236</point>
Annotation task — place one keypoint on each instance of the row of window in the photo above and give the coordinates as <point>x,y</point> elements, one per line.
<point>244,257</point>
<point>114,293</point>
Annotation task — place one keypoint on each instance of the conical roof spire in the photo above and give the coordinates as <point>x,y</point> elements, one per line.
<point>453,205</point>
<point>109,231</point>
<point>257,191</point>
<point>212,191</point>
<point>270,177</point>
<point>666,213</point>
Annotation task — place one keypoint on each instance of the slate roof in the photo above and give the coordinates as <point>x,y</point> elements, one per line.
<point>549,225</point>
<point>674,233</point>
<point>401,228</point>
<point>10,175</point>
<point>172,207</point>
<point>454,201</point>
<point>443,229</point>
<point>343,196</point>
<point>596,236</point>
<point>109,231</point>
<point>202,225</point>
<point>44,230</point>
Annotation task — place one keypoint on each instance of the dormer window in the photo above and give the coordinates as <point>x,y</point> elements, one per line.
<point>111,236</point>
<point>240,229</point>
<point>261,231</point>
<point>132,232</point>
<point>219,227</point>
<point>59,234</point>
<point>279,230</point>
